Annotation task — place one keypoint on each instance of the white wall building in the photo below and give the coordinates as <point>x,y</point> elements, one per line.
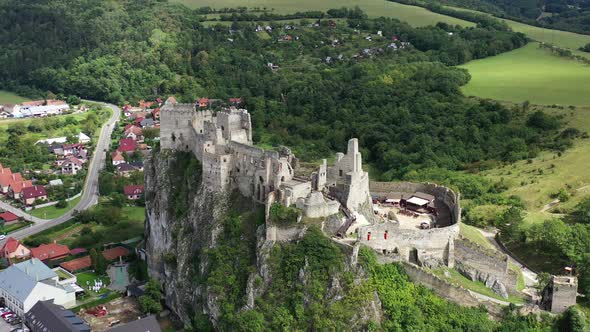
<point>24,284</point>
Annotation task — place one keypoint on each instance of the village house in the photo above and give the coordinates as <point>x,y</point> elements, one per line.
<point>50,252</point>
<point>127,145</point>
<point>146,123</point>
<point>156,114</point>
<point>170,101</point>
<point>72,165</point>
<point>146,104</point>
<point>117,158</point>
<point>31,194</point>
<point>125,170</point>
<point>15,189</point>
<point>133,132</point>
<point>7,178</point>
<point>235,101</point>
<point>203,102</point>
<point>13,249</point>
<point>46,316</point>
<point>24,284</point>
<point>133,192</point>
<point>8,217</point>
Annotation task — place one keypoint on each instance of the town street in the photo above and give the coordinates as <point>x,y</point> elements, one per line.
<point>89,193</point>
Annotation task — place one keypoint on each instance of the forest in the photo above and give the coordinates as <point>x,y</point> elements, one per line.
<point>404,105</point>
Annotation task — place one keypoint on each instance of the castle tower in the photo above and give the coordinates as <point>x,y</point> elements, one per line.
<point>560,294</point>
<point>354,155</point>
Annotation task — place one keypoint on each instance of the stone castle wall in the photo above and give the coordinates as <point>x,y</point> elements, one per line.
<point>444,194</point>
<point>480,264</point>
<point>431,247</point>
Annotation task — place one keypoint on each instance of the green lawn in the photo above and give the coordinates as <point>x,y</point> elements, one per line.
<point>16,226</point>
<point>415,16</point>
<point>85,278</point>
<point>471,233</point>
<point>10,98</point>
<point>532,74</point>
<point>51,212</point>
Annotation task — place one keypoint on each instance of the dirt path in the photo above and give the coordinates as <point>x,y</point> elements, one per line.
<point>549,205</point>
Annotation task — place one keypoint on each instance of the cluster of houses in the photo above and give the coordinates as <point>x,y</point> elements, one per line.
<point>40,284</point>
<point>36,108</point>
<point>13,185</point>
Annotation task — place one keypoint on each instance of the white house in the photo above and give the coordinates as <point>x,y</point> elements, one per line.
<point>22,285</point>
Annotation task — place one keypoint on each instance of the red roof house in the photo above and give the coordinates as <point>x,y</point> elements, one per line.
<point>15,189</point>
<point>133,192</point>
<point>77,264</point>
<point>171,101</point>
<point>14,249</point>
<point>8,216</point>
<point>31,194</point>
<point>50,252</point>
<point>127,145</point>
<point>204,102</point>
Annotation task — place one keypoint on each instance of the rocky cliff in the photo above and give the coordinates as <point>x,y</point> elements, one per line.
<point>182,222</point>
<point>217,269</point>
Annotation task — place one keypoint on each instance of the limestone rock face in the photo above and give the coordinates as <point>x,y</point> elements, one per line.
<point>182,220</point>
<point>489,280</point>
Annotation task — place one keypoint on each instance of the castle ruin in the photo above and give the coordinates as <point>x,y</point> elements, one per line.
<point>222,142</point>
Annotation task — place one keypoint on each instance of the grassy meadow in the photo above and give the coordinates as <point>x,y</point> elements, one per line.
<point>416,16</point>
<point>536,180</point>
<point>10,98</point>
<point>532,74</point>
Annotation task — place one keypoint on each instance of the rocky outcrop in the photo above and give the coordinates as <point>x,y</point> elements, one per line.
<point>182,220</point>
<point>490,280</point>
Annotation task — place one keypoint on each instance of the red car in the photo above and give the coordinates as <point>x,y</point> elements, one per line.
<point>6,314</point>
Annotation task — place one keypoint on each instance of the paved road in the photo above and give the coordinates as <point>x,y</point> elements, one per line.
<point>90,191</point>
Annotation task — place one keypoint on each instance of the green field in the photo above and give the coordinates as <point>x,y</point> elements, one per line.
<point>10,98</point>
<point>51,212</point>
<point>415,16</point>
<point>532,74</point>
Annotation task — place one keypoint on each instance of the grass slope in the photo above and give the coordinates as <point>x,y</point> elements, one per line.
<point>530,73</point>
<point>415,16</point>
<point>10,98</point>
<point>549,172</point>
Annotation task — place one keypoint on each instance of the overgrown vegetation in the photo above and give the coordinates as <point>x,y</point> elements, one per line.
<point>282,215</point>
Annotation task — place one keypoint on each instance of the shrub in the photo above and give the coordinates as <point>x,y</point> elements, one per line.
<point>280,214</point>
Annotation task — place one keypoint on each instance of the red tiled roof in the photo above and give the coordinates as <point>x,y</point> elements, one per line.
<point>134,129</point>
<point>114,253</point>
<point>11,245</point>
<point>85,262</point>
<point>127,145</point>
<point>171,100</point>
<point>44,102</point>
<point>133,189</point>
<point>77,264</point>
<point>50,251</point>
<point>76,251</point>
<point>117,156</point>
<point>8,216</point>
<point>18,186</point>
<point>34,192</point>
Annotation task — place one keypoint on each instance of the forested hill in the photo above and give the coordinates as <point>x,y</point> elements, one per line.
<point>568,15</point>
<point>332,82</point>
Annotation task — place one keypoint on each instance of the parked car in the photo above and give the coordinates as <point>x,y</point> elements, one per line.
<point>2,237</point>
<point>10,315</point>
<point>16,321</point>
<point>4,314</point>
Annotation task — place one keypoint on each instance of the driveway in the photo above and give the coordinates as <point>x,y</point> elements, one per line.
<point>90,191</point>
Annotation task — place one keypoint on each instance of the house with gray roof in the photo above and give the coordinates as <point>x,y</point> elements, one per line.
<point>147,324</point>
<point>22,285</point>
<point>46,316</point>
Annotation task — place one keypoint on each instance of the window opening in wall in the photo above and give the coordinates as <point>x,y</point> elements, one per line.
<point>413,257</point>
<point>340,172</point>
<point>173,137</point>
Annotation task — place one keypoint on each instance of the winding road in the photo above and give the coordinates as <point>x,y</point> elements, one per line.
<point>90,192</point>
